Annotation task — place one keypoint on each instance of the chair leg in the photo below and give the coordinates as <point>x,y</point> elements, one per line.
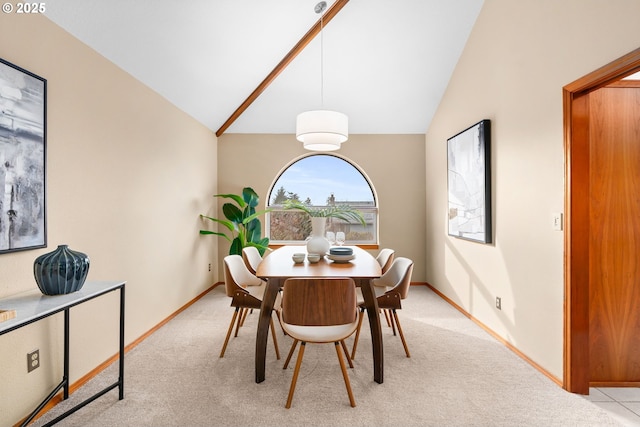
<point>280,321</point>
<point>355,340</point>
<point>245,312</point>
<point>296,371</point>
<point>387,317</point>
<point>275,340</point>
<point>404,343</point>
<point>293,347</point>
<point>226,340</point>
<point>393,324</point>
<point>346,353</point>
<point>240,321</point>
<point>242,311</point>
<point>345,375</point>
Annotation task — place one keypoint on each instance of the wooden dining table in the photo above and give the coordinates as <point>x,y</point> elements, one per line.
<point>278,266</point>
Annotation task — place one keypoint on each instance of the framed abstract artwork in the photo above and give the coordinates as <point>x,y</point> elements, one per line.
<point>469,183</point>
<point>22,159</point>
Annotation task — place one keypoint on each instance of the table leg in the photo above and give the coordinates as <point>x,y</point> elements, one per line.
<point>121,348</point>
<point>371,304</point>
<point>65,363</point>
<point>268,300</point>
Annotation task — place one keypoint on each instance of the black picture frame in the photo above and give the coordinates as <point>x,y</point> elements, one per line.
<point>23,114</point>
<point>469,183</point>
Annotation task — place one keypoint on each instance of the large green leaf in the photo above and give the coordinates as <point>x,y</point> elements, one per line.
<point>247,212</point>
<point>263,245</point>
<point>232,213</point>
<point>239,200</point>
<point>236,247</point>
<point>343,212</point>
<point>250,197</point>
<point>254,216</point>
<point>231,226</point>
<point>216,233</point>
<point>254,231</point>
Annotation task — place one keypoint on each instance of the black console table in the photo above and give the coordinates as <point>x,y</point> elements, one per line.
<point>33,306</point>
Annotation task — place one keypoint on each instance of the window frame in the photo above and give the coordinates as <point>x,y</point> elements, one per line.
<point>371,213</point>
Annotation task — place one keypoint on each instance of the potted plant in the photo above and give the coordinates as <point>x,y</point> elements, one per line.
<point>241,221</point>
<point>343,212</point>
<point>318,244</point>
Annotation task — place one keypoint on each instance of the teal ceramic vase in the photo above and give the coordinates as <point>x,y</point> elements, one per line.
<point>62,271</point>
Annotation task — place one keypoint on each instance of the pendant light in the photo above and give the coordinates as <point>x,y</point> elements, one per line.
<point>322,130</point>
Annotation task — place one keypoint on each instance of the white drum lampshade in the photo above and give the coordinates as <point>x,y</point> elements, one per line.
<point>322,130</point>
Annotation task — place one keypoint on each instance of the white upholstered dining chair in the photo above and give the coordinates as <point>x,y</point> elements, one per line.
<point>245,291</point>
<point>252,258</point>
<point>391,288</point>
<point>385,258</point>
<point>319,310</point>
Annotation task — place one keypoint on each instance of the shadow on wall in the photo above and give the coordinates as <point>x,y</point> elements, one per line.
<point>475,286</point>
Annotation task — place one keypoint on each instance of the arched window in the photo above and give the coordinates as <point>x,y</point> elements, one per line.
<point>321,181</point>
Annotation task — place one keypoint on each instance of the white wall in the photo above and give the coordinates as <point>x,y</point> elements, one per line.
<point>127,176</point>
<point>519,56</point>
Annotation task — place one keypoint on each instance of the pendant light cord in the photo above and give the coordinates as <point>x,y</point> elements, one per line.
<point>322,61</point>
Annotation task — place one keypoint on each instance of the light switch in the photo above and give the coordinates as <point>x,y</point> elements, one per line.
<point>557,221</point>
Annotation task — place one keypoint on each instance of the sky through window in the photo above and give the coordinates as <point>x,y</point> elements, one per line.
<point>318,176</point>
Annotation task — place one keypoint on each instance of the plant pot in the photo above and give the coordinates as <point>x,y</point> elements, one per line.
<point>318,244</point>
<point>62,271</point>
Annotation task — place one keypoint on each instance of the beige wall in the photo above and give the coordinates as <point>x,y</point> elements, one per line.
<point>518,58</point>
<point>127,176</point>
<point>393,163</point>
<point>141,172</point>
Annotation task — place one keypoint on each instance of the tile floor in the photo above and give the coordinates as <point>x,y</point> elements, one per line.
<point>622,403</point>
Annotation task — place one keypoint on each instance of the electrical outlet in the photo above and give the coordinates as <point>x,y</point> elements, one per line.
<point>209,266</point>
<point>33,360</point>
<point>499,303</point>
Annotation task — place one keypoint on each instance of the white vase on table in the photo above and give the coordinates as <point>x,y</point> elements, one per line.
<point>318,244</point>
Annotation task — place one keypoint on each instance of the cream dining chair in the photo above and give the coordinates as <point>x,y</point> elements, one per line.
<point>385,258</point>
<point>252,258</point>
<point>390,288</point>
<point>319,310</point>
<point>245,291</point>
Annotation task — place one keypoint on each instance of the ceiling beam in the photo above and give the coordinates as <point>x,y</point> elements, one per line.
<point>304,41</point>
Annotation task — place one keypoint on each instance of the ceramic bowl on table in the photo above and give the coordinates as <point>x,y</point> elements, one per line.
<point>313,258</point>
<point>298,257</point>
<point>341,251</point>
<point>340,259</point>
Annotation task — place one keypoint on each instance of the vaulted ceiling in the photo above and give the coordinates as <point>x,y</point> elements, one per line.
<point>386,62</point>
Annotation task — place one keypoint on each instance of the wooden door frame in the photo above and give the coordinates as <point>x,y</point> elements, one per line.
<point>576,205</point>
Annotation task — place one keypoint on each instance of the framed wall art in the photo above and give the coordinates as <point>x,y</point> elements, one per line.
<point>22,159</point>
<point>469,183</point>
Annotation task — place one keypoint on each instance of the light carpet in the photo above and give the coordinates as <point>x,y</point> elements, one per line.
<point>458,375</point>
